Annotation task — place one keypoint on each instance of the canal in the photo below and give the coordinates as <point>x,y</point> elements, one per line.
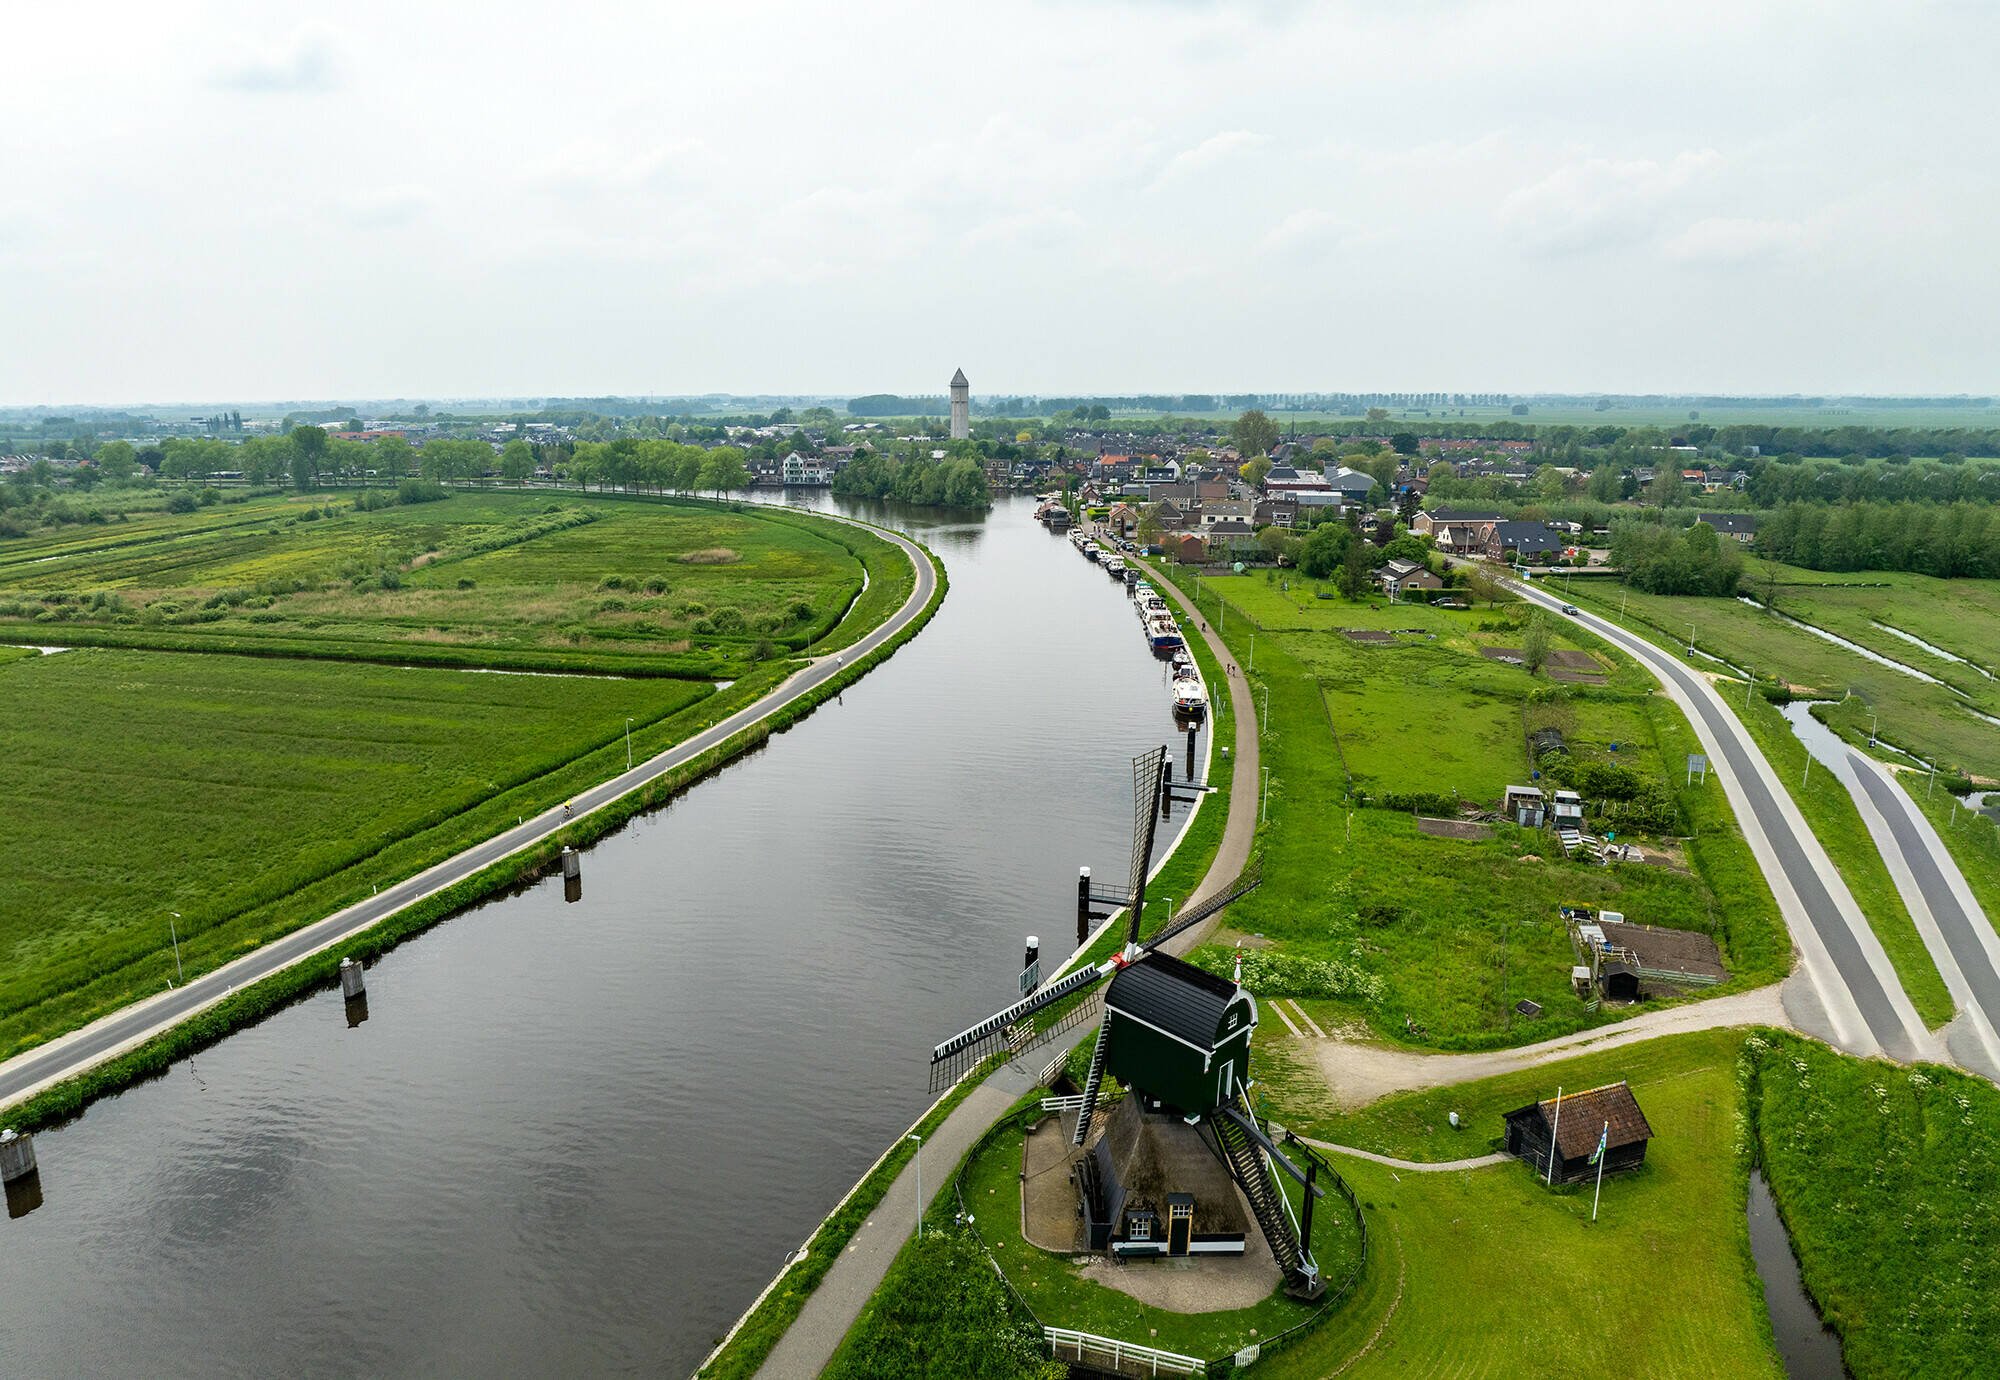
<point>580,1138</point>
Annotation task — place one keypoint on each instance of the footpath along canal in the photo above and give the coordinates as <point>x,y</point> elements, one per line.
<point>581,1137</point>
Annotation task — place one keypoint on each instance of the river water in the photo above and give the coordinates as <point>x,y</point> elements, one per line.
<point>580,1138</point>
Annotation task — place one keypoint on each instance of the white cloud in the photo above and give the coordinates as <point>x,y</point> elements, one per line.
<point>583,198</point>
<point>305,62</point>
<point>382,208</point>
<point>1731,240</point>
<point>1302,231</point>
<point>1207,155</point>
<point>1038,228</point>
<point>1594,203</point>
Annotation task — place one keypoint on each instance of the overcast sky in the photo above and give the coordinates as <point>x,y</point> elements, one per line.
<point>235,201</point>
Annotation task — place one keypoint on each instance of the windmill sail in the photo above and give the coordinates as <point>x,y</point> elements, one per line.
<point>951,1059</point>
<point>1147,768</point>
<point>1252,877</point>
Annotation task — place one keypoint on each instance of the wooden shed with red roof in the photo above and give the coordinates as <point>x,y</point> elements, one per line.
<point>1575,1126</point>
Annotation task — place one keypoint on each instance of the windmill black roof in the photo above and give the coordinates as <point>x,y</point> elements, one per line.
<point>1178,997</point>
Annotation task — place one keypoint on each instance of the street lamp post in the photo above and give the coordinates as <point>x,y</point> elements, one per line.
<point>1690,642</point>
<point>1263,717</point>
<point>1873,716</point>
<point>628,742</point>
<point>172,916</point>
<point>1264,801</point>
<point>920,1184</point>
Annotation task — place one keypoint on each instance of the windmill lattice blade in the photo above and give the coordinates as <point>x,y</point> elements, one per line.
<point>1083,1011</point>
<point>1146,770</point>
<point>1251,879</point>
<point>998,1022</point>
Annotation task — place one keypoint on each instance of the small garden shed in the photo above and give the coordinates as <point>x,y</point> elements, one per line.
<point>1575,1127</point>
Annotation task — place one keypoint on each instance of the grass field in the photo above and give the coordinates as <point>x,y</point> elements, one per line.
<point>1886,1178</point>
<point>530,580</point>
<point>1488,1273</point>
<point>253,794</point>
<point>1433,941</point>
<point>1962,616</point>
<point>139,783</point>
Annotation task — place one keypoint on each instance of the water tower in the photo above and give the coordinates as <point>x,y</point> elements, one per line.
<point>961,407</point>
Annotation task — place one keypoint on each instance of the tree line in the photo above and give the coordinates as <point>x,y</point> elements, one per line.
<point>1942,539</point>
<point>953,482</point>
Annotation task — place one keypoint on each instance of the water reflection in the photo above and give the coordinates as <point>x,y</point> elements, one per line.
<point>1808,1347</point>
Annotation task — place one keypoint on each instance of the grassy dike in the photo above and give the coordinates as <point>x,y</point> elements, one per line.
<point>69,1097</point>
<point>743,1352</point>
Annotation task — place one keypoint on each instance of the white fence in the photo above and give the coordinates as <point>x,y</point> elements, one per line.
<point>1108,1353</point>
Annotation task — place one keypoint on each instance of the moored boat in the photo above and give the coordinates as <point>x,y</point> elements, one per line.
<point>1164,634</point>
<point>1190,698</point>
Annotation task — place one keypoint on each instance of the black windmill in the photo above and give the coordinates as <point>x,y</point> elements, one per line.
<point>1174,1035</point>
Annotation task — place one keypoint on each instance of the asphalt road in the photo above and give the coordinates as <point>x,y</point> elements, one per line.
<point>1864,1005</point>
<point>73,1053</point>
<point>1961,940</point>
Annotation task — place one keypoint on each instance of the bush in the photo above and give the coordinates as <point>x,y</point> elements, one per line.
<point>728,620</point>
<point>801,611</point>
<point>181,503</point>
<point>656,585</point>
<point>421,491</point>
<point>465,582</point>
<point>1278,974</point>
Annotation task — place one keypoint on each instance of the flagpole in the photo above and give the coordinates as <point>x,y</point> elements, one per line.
<point>1602,1137</point>
<point>1550,1177</point>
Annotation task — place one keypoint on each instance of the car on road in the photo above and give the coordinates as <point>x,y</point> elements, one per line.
<point>1569,608</point>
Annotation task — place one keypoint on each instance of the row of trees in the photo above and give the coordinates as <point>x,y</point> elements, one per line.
<point>660,465</point>
<point>1660,559</point>
<point>953,482</point>
<point>1929,538</point>
<point>1947,480</point>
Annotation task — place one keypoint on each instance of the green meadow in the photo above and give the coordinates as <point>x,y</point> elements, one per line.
<point>534,581</point>
<point>222,787</point>
<point>1434,941</point>
<point>273,707</point>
